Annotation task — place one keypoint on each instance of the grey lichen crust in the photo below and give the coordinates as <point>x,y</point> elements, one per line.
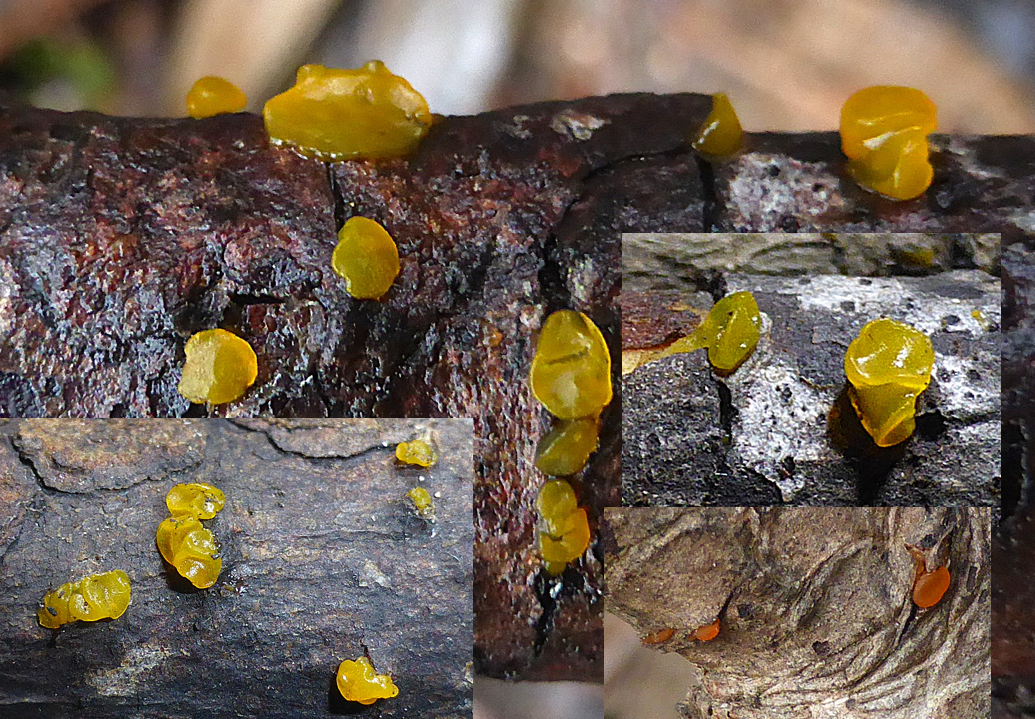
<point>815,605</point>
<point>780,428</point>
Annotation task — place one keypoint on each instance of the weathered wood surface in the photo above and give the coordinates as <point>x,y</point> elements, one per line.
<point>324,559</point>
<point>120,237</point>
<point>781,429</point>
<point>815,607</point>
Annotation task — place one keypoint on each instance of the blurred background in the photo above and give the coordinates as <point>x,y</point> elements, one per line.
<point>786,64</point>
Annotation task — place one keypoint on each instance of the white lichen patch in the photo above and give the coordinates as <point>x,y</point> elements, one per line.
<point>371,574</point>
<point>766,188</point>
<point>579,125</point>
<point>8,290</point>
<point>123,680</point>
<point>927,312</point>
<point>965,389</point>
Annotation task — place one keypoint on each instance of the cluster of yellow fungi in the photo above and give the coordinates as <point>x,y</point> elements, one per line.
<point>359,682</point>
<point>563,526</point>
<point>97,596</point>
<point>182,540</point>
<point>888,365</point>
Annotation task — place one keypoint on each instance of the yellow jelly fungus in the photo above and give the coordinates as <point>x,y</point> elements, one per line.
<point>422,502</point>
<point>888,365</point>
<point>884,133</point>
<point>98,596</point>
<point>335,114</point>
<point>571,370</point>
<point>358,682</point>
<point>213,95</point>
<point>366,258</point>
<point>417,452</point>
<point>567,447</point>
<point>721,133</point>
<point>220,367</point>
<point>563,528</point>
<point>191,549</point>
<point>202,501</point>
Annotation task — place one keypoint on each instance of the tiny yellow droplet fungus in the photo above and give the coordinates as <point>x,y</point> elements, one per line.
<point>721,133</point>
<point>422,502</point>
<point>888,365</point>
<point>418,452</point>
<point>219,367</point>
<point>563,528</point>
<point>213,95</point>
<point>366,258</point>
<point>97,596</point>
<point>358,682</point>
<point>182,540</point>
<point>565,450</point>
<point>884,133</point>
<point>334,115</point>
<point>571,369</point>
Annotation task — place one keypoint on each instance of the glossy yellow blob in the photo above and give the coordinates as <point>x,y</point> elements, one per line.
<point>191,549</point>
<point>213,95</point>
<point>571,370</point>
<point>220,367</point>
<point>202,501</point>
<point>566,448</point>
<point>358,682</point>
<point>721,133</point>
<point>563,528</point>
<point>335,114</point>
<point>366,258</point>
<point>422,502</point>
<point>416,452</point>
<point>98,596</point>
<point>884,133</point>
<point>888,365</point>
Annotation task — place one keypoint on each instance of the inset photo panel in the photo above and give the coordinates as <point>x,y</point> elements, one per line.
<point>798,612</point>
<point>811,369</point>
<point>212,568</point>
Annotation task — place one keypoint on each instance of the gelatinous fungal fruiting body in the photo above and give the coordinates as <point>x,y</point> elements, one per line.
<point>707,632</point>
<point>182,540</point>
<point>659,637</point>
<point>366,257</point>
<point>571,369</point>
<point>563,527</point>
<point>213,95</point>
<point>422,502</point>
<point>729,332</point>
<point>419,452</point>
<point>721,133</point>
<point>219,367</point>
<point>884,133</point>
<point>97,596</point>
<point>928,587</point>
<point>565,450</point>
<point>358,682</point>
<point>888,365</point>
<point>334,115</point>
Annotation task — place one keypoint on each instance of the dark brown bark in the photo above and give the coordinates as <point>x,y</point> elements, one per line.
<point>324,559</point>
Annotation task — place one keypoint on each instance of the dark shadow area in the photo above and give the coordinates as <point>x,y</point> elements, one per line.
<point>872,464</point>
<point>339,706</point>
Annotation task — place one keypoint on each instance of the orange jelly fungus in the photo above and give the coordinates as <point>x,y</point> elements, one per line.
<point>930,587</point>
<point>707,632</point>
<point>659,637</point>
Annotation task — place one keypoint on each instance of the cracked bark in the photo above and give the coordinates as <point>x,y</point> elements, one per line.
<point>122,237</point>
<point>324,559</point>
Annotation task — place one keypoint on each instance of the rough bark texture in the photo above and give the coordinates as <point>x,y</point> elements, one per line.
<point>119,238</point>
<point>815,608</point>
<point>780,429</point>
<point>324,559</point>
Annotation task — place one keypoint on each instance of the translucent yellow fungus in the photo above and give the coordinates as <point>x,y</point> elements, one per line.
<point>358,682</point>
<point>98,596</point>
<point>182,540</point>
<point>417,452</point>
<point>884,133</point>
<point>422,502</point>
<point>888,365</point>
<point>366,258</point>
<point>563,528</point>
<point>213,95</point>
<point>335,114</point>
<point>565,450</point>
<point>220,367</point>
<point>571,370</point>
<point>721,133</point>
